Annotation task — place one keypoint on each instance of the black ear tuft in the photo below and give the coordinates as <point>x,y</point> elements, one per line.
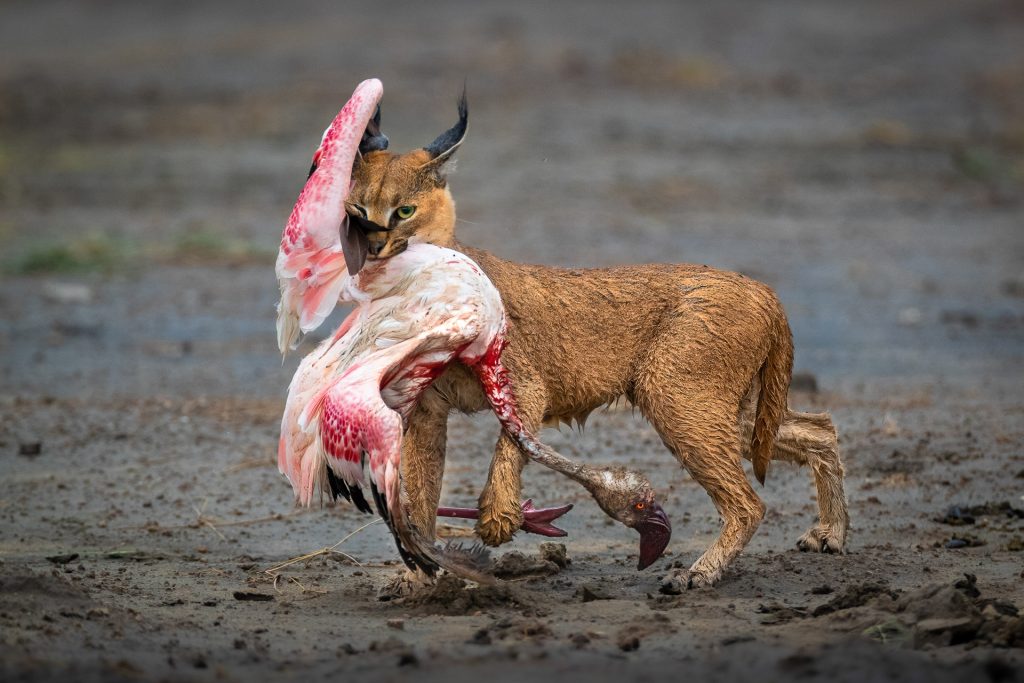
<point>447,142</point>
<point>373,140</point>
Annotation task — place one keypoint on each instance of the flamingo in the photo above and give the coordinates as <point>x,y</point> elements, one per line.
<point>416,313</point>
<point>351,397</point>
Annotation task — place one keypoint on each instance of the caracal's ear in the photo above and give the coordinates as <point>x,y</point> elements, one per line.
<point>442,149</point>
<point>373,140</point>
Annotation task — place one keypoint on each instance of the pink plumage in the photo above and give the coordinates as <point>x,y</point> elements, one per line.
<point>311,261</point>
<point>348,403</point>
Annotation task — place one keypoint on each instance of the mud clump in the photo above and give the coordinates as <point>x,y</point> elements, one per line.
<point>516,565</point>
<point>452,595</point>
<point>960,541</point>
<point>555,552</point>
<point>854,596</point>
<point>939,615</point>
<point>780,614</point>
<point>961,515</point>
<point>512,629</point>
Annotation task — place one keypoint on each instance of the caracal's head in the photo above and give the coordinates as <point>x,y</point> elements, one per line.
<point>396,198</point>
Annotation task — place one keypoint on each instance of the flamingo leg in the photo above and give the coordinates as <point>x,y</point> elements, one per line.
<point>535,520</point>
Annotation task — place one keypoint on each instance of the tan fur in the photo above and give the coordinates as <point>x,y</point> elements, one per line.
<point>704,354</point>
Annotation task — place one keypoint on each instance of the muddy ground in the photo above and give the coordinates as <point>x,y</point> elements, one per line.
<point>866,159</point>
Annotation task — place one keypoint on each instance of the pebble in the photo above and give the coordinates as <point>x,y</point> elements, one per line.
<point>67,293</point>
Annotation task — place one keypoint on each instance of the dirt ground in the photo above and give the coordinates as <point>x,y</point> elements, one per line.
<point>865,159</point>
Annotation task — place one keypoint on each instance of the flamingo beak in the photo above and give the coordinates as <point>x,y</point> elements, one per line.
<point>655,533</point>
<point>354,244</point>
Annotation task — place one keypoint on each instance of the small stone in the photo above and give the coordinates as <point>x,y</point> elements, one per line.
<point>481,637</point>
<point>397,624</point>
<point>628,643</point>
<point>579,640</point>
<point>911,317</point>
<point>30,449</point>
<point>252,596</point>
<point>733,640</point>
<point>63,559</point>
<point>67,293</point>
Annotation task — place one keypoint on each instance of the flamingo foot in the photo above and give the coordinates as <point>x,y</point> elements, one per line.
<point>535,520</point>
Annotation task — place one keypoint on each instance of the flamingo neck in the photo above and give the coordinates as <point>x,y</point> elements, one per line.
<point>497,387</point>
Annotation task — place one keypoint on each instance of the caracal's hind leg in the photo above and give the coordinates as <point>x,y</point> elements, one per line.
<point>423,451</point>
<point>809,439</point>
<point>701,431</point>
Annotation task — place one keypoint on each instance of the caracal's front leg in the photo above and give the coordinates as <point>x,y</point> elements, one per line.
<point>501,512</point>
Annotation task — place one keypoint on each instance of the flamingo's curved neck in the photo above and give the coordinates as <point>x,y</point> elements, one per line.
<point>498,388</point>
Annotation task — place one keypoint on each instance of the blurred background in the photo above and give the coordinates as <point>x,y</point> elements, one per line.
<point>866,159</point>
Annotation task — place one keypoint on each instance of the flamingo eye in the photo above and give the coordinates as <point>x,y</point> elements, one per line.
<point>640,506</point>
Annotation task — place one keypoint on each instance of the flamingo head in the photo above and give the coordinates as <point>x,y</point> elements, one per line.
<point>629,498</point>
<point>318,249</point>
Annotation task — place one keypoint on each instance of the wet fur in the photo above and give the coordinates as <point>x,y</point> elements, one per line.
<point>704,354</point>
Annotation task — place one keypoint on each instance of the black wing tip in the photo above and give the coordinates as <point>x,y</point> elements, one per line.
<point>350,492</point>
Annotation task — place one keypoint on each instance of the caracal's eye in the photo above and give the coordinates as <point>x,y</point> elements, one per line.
<point>361,210</point>
<point>405,212</point>
<point>640,506</point>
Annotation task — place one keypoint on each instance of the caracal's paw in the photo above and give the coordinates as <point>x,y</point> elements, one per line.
<point>823,538</point>
<point>500,518</point>
<point>402,585</point>
<point>679,580</point>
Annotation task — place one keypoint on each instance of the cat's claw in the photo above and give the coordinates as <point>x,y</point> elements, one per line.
<point>535,520</point>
